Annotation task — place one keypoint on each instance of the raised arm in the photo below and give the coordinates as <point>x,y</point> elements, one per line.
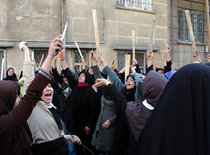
<point>20,113</point>
<point>168,59</point>
<point>28,66</point>
<point>117,96</point>
<point>68,74</point>
<point>95,68</point>
<point>55,73</point>
<point>196,57</point>
<point>150,57</point>
<point>112,75</point>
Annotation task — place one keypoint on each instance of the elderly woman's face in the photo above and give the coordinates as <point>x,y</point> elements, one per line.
<point>81,77</point>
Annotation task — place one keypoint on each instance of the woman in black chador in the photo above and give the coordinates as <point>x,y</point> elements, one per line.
<point>180,124</point>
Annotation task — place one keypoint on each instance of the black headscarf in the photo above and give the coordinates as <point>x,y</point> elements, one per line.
<point>88,77</point>
<point>13,77</point>
<point>129,93</point>
<point>180,123</point>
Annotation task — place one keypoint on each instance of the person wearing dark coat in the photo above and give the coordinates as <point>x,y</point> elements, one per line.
<point>180,123</point>
<point>10,75</point>
<point>103,136</point>
<point>137,113</point>
<point>82,110</point>
<point>13,136</point>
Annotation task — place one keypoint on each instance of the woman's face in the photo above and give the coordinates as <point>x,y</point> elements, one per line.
<point>10,72</point>
<point>90,71</point>
<point>130,83</point>
<point>81,77</point>
<point>47,94</point>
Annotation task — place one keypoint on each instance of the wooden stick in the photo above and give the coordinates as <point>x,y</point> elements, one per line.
<point>32,55</point>
<point>190,29</point>
<point>41,60</point>
<point>208,24</point>
<point>151,35</point>
<point>133,43</point>
<point>2,69</point>
<point>165,42</point>
<point>127,65</point>
<point>95,24</point>
<point>80,53</point>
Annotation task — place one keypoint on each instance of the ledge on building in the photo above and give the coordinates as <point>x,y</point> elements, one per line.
<point>84,46</point>
<point>6,45</point>
<point>43,46</point>
<point>133,9</point>
<point>35,46</point>
<point>137,48</point>
<point>189,43</point>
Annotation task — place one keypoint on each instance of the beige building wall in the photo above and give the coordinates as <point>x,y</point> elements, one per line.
<point>40,21</point>
<point>182,52</point>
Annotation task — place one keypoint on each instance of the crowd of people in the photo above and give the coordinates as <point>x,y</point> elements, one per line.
<point>102,112</point>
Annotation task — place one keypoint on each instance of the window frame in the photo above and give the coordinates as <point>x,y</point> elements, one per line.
<point>39,49</point>
<point>123,6</point>
<point>124,52</point>
<point>189,41</point>
<point>86,57</point>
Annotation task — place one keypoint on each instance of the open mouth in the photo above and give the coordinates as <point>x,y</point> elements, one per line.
<point>48,94</point>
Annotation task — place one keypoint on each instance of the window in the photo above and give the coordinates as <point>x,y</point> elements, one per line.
<point>38,54</point>
<point>2,72</point>
<point>140,57</point>
<point>78,60</point>
<point>135,4</point>
<point>197,24</point>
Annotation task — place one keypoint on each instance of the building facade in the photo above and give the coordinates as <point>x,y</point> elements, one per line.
<point>38,22</point>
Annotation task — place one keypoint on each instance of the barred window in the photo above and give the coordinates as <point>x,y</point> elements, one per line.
<point>197,24</point>
<point>38,54</point>
<point>135,4</point>
<point>78,61</point>
<point>140,57</point>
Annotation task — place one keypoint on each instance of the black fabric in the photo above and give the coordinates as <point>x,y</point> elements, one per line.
<point>180,122</point>
<point>54,147</point>
<point>88,77</point>
<point>167,68</point>
<point>11,78</point>
<point>57,117</point>
<point>82,109</point>
<point>149,69</point>
<point>58,96</point>
<point>129,93</point>
<point>106,94</point>
<point>158,69</point>
<point>137,68</point>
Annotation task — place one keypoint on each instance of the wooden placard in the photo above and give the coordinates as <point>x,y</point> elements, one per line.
<point>2,68</point>
<point>80,53</point>
<point>190,29</point>
<point>41,60</point>
<point>151,36</point>
<point>127,65</point>
<point>95,24</point>
<point>133,43</point>
<point>32,55</point>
